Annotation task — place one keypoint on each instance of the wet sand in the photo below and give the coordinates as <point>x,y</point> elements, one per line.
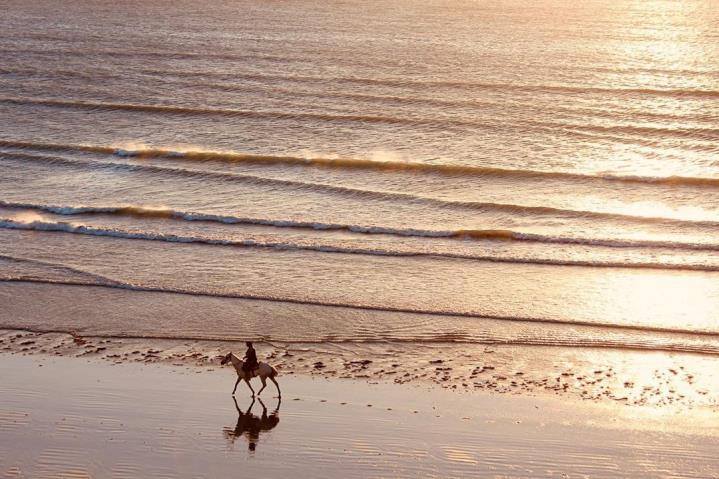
<point>73,417</point>
<point>655,379</point>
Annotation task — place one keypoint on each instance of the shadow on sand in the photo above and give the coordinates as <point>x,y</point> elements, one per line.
<point>250,425</point>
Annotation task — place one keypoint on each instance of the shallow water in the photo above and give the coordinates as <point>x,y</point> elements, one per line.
<point>415,172</point>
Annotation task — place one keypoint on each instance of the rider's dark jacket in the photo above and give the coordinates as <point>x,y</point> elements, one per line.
<point>250,359</point>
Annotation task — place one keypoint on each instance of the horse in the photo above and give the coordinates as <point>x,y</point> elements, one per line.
<point>263,370</point>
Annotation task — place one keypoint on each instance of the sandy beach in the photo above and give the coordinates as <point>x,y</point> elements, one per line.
<point>471,238</point>
<point>73,417</point>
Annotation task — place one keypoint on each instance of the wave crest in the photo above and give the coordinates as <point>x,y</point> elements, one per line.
<point>479,235</point>
<point>462,234</point>
<point>362,164</point>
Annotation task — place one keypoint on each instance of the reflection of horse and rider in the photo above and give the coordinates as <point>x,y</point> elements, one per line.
<point>248,367</point>
<point>250,425</point>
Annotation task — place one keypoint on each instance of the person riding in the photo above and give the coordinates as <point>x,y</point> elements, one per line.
<point>250,359</point>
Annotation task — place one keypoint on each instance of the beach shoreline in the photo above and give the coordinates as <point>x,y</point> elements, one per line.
<point>651,379</point>
<point>474,239</point>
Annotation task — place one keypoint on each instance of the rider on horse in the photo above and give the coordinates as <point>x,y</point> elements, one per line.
<point>250,360</point>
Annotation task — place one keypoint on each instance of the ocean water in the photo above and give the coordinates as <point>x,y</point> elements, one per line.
<point>370,172</point>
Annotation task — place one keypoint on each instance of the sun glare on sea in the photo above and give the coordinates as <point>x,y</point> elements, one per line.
<point>653,209</point>
<point>673,301</point>
<point>664,34</point>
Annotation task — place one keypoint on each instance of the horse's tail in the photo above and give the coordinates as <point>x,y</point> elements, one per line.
<point>273,372</point>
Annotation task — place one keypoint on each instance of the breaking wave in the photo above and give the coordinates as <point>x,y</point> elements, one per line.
<point>515,209</point>
<point>488,235</point>
<point>349,163</point>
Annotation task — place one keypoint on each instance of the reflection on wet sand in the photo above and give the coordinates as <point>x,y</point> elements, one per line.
<point>250,425</point>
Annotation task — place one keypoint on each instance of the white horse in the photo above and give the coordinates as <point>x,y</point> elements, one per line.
<point>263,370</point>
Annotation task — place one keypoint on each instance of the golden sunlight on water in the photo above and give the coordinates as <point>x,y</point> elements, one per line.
<point>548,178</point>
<point>656,209</point>
<point>672,301</point>
<point>493,198</point>
<point>664,33</point>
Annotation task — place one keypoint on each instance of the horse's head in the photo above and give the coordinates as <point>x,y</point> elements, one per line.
<point>226,359</point>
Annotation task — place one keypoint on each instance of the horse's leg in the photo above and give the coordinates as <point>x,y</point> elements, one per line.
<point>279,393</point>
<point>250,386</point>
<point>236,383</point>
<point>264,383</point>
